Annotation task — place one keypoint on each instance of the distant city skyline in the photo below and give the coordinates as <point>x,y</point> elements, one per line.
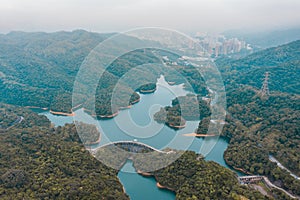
<point>121,15</point>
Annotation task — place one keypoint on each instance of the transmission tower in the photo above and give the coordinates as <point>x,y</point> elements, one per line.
<point>265,88</point>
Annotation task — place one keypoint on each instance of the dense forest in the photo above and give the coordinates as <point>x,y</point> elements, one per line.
<point>188,175</point>
<point>259,126</point>
<point>281,62</point>
<point>42,162</point>
<point>39,69</point>
<point>183,108</point>
<point>191,177</point>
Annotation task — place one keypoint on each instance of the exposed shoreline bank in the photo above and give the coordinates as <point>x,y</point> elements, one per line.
<point>62,113</point>
<point>113,114</point>
<point>109,116</point>
<point>199,135</point>
<point>135,101</point>
<point>177,127</point>
<point>160,186</point>
<point>236,168</point>
<point>147,91</point>
<point>65,113</point>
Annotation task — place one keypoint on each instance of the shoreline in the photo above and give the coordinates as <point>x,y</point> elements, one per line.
<point>113,114</point>
<point>147,91</point>
<point>240,170</point>
<point>37,107</point>
<point>109,116</point>
<point>135,101</point>
<point>62,113</point>
<point>199,135</point>
<point>125,107</point>
<point>89,112</point>
<point>160,186</point>
<point>54,112</point>
<point>146,174</point>
<point>236,168</point>
<point>96,142</point>
<point>176,127</point>
<point>100,116</point>
<point>171,82</point>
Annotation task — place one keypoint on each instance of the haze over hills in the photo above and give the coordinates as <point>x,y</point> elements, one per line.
<point>266,39</point>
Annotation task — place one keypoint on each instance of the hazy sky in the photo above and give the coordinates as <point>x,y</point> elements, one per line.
<point>120,15</point>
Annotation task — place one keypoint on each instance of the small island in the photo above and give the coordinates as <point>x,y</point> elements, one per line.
<point>184,108</point>
<point>147,88</point>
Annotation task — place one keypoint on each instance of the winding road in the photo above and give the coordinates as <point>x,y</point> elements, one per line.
<point>254,179</point>
<point>273,159</point>
<point>268,182</point>
<point>18,121</point>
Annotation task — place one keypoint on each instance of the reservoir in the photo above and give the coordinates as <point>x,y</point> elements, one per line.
<point>137,123</point>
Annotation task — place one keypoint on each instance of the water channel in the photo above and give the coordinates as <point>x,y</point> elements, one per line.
<point>136,123</point>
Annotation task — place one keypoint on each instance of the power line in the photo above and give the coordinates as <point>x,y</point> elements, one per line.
<point>265,87</point>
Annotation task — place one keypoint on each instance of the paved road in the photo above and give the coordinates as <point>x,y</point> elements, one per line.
<point>268,182</point>
<point>18,121</point>
<point>273,159</point>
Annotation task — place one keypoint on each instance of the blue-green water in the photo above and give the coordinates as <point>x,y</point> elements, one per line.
<point>137,123</point>
<point>139,187</point>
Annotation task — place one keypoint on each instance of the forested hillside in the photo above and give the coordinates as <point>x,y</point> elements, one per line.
<point>259,126</point>
<point>37,68</point>
<point>42,162</point>
<point>282,62</point>
<point>191,177</point>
